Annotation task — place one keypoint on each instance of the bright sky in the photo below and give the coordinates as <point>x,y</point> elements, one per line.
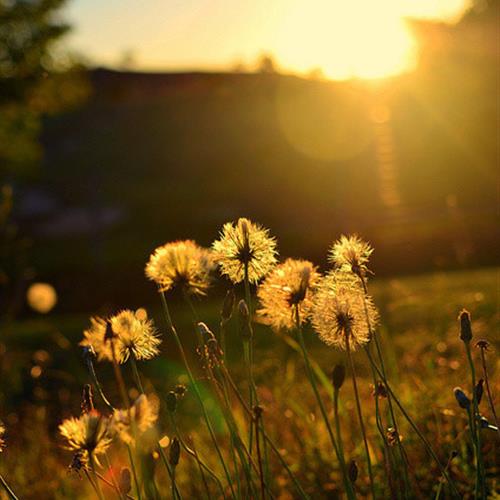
<point>365,38</point>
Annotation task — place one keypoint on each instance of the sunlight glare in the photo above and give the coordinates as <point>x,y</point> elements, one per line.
<point>358,38</point>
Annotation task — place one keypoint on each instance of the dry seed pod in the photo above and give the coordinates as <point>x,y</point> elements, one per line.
<point>478,391</point>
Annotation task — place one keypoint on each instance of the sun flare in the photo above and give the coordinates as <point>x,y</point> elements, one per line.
<point>358,38</point>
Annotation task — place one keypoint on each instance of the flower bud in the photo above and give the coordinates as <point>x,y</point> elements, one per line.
<point>125,481</point>
<point>244,320</point>
<point>478,391</point>
<point>465,326</point>
<point>228,305</point>
<point>174,452</point>
<point>171,401</point>
<point>461,398</point>
<point>338,376</point>
<point>353,471</point>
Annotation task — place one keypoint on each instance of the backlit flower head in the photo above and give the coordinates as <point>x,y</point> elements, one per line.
<point>351,253</point>
<point>142,415</point>
<point>128,333</point>
<point>95,337</point>
<point>287,287</point>
<point>136,335</point>
<point>339,312</point>
<point>245,244</point>
<point>181,264</point>
<point>88,434</point>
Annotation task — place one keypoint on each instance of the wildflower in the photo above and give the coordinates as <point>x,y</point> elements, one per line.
<point>286,294</point>
<point>462,399</point>
<point>140,417</point>
<point>338,376</point>
<point>245,248</point>
<point>41,297</point>
<point>136,336</point>
<point>89,434</point>
<point>465,326</point>
<point>342,313</point>
<point>351,253</point>
<point>182,264</point>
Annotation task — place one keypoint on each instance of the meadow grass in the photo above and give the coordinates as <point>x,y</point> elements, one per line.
<point>191,421</point>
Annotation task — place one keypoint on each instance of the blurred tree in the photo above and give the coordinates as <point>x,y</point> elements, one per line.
<point>266,64</point>
<point>33,81</point>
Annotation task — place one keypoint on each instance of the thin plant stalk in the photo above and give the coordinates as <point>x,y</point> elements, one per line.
<point>347,483</point>
<point>195,388</point>
<point>360,414</point>
<point>194,454</point>
<point>475,429</point>
<point>426,443</point>
<point>269,441</point>
<point>488,391</point>
<point>7,488</point>
<point>136,375</point>
<point>105,481</point>
<point>391,410</point>
<point>93,469</point>
<point>259,457</point>
<point>112,474</point>
<point>97,385</point>
<point>93,483</point>
<point>168,467</point>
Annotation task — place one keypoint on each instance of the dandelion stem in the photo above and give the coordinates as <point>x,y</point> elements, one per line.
<point>389,399</point>
<point>244,405</point>
<point>360,414</point>
<point>7,488</point>
<point>426,443</point>
<point>95,380</point>
<point>195,388</point>
<point>259,457</point>
<point>488,391</point>
<point>475,428</point>
<point>112,474</point>
<point>136,374</point>
<point>134,472</point>
<point>92,468</point>
<point>310,375</point>
<point>167,466</point>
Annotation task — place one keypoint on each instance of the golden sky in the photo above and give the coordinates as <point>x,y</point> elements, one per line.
<point>353,38</point>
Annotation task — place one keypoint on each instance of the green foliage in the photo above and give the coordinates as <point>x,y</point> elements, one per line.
<point>32,81</point>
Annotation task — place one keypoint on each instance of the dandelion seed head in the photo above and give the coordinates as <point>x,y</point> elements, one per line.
<point>288,286</point>
<point>136,336</point>
<point>351,253</point>
<point>182,264</point>
<point>339,311</point>
<point>142,415</point>
<point>95,338</point>
<point>127,333</point>
<point>90,433</point>
<point>245,244</point>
